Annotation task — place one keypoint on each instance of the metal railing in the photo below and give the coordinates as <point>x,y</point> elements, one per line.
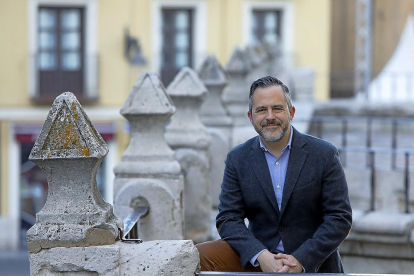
<point>370,164</point>
<point>317,128</point>
<point>130,233</point>
<point>211,273</point>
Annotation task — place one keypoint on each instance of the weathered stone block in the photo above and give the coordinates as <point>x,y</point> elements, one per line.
<point>149,258</point>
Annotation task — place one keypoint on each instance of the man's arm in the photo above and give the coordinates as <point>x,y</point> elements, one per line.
<point>230,220</point>
<point>337,218</point>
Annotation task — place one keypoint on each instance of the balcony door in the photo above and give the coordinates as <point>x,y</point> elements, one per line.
<point>60,57</point>
<point>177,50</point>
<point>266,25</point>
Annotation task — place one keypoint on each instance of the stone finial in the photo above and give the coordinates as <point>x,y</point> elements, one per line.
<point>148,96</point>
<point>70,150</point>
<point>215,79</point>
<point>186,129</point>
<point>189,138</point>
<point>148,108</point>
<point>187,84</point>
<point>272,49</point>
<point>148,171</point>
<point>236,94</point>
<point>238,63</point>
<point>211,72</point>
<point>261,52</point>
<point>253,57</point>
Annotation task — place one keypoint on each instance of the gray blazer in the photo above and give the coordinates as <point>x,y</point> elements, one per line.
<point>315,215</point>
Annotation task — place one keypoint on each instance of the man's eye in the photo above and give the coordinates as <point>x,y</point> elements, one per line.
<point>260,110</point>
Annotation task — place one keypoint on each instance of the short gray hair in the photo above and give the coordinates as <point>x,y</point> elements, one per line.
<point>266,82</point>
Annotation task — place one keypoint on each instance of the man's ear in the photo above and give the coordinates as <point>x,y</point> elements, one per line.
<point>292,112</point>
<point>250,116</point>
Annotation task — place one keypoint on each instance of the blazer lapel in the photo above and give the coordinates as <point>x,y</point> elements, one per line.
<point>296,161</point>
<point>259,165</point>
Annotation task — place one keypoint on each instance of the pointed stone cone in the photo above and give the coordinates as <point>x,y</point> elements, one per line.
<point>148,108</point>
<point>70,150</point>
<point>236,94</point>
<point>186,129</point>
<point>214,78</point>
<point>148,173</point>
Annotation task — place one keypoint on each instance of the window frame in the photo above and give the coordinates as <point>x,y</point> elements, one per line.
<point>90,58</point>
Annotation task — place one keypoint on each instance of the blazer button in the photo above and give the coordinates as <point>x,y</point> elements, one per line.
<point>280,228</point>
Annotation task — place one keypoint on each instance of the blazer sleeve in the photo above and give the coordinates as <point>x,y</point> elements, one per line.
<point>337,217</point>
<point>230,219</point>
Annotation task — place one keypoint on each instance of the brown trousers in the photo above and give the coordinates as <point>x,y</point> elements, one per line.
<point>220,256</point>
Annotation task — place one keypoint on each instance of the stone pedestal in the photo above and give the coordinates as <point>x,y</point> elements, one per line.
<point>187,135</point>
<point>121,259</point>
<point>380,242</point>
<point>236,95</point>
<point>148,174</point>
<point>217,120</point>
<point>70,150</point>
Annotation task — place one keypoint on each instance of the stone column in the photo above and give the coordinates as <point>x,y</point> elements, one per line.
<point>148,174</point>
<point>236,94</point>
<point>218,122</point>
<point>70,151</point>
<point>187,135</point>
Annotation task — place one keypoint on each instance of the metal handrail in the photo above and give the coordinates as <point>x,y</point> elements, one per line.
<point>130,233</point>
<point>371,154</point>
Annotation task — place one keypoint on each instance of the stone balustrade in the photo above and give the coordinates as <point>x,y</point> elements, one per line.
<point>76,232</point>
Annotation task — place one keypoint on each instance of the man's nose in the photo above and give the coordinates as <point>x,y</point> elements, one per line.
<point>270,114</point>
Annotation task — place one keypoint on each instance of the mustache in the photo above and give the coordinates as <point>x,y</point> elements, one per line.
<point>271,123</point>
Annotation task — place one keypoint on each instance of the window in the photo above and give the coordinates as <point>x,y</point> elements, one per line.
<point>60,56</point>
<point>266,25</point>
<point>177,50</point>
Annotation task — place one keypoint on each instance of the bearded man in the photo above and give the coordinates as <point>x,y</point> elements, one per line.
<point>292,189</point>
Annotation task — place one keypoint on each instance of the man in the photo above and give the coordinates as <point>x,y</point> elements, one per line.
<point>292,189</point>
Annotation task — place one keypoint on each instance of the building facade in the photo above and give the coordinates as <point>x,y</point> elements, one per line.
<point>97,48</point>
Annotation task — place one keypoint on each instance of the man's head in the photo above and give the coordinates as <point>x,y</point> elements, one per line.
<point>270,108</point>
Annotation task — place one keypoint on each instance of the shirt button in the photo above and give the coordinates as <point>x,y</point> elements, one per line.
<point>280,228</point>
<point>278,186</point>
<point>277,163</point>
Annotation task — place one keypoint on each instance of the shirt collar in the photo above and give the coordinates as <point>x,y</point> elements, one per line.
<point>289,144</point>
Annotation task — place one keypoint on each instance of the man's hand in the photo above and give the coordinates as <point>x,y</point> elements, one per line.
<point>269,263</point>
<point>290,264</point>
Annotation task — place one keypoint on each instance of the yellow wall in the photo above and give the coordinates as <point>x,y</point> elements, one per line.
<point>312,41</point>
<point>13,53</point>
<point>3,168</point>
<point>224,28</point>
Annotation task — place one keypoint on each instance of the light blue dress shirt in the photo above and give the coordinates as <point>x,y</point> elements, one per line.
<point>277,169</point>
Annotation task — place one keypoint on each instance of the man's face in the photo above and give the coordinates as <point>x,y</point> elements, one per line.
<point>270,115</point>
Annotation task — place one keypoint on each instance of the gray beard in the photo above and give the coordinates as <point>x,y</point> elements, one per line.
<point>272,137</point>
